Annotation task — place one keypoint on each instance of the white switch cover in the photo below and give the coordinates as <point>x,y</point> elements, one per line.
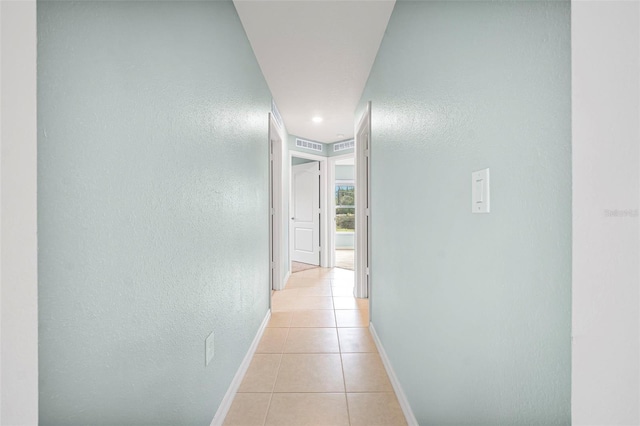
<point>480,200</point>
<point>208,348</point>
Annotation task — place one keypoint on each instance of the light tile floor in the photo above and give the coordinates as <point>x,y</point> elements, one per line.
<point>345,259</point>
<point>316,363</point>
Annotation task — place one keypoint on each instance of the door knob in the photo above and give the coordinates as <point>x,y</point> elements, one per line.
<point>292,218</point>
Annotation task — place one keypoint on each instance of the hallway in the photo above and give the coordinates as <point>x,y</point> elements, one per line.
<point>317,363</point>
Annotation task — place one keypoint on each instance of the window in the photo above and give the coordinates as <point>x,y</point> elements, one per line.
<point>345,206</point>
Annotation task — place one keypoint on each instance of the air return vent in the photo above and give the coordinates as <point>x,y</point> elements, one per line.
<point>342,146</point>
<point>301,143</point>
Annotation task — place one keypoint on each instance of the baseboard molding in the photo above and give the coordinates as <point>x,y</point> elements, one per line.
<point>402,398</point>
<point>286,278</point>
<point>225,405</point>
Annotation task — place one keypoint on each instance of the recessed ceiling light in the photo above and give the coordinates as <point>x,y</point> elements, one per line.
<point>340,135</point>
<point>317,119</point>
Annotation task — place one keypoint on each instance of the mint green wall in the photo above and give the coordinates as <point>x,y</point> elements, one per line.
<point>297,160</point>
<point>474,310</point>
<point>152,209</point>
<point>345,240</point>
<point>345,172</point>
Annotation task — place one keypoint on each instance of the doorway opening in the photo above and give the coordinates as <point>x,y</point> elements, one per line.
<point>307,211</point>
<point>345,211</point>
<point>305,214</point>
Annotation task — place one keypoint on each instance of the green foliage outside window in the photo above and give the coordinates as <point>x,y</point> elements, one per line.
<point>345,210</point>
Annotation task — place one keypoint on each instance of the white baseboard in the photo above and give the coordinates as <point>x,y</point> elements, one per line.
<point>286,278</point>
<point>402,398</point>
<point>225,405</point>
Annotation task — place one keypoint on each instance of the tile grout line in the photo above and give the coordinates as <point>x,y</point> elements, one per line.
<point>316,280</point>
<point>344,379</point>
<point>273,387</point>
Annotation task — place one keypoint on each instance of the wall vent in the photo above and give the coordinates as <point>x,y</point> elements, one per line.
<point>342,146</point>
<point>301,143</point>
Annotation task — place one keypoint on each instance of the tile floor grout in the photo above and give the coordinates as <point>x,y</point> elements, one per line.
<point>344,381</point>
<point>303,308</point>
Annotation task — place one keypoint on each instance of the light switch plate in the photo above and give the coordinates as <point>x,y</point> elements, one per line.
<point>208,349</point>
<point>480,194</point>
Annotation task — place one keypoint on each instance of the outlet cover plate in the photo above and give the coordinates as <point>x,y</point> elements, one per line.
<point>480,195</point>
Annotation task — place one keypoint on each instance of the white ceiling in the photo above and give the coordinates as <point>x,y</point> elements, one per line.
<point>316,57</point>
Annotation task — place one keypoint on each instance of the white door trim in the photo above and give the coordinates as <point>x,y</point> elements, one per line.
<point>331,181</point>
<point>276,207</point>
<point>19,225</point>
<point>363,212</point>
<point>324,210</point>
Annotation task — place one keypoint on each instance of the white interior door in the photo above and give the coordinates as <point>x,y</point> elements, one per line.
<point>306,213</point>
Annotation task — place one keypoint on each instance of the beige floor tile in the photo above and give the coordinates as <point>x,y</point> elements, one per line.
<point>342,291</point>
<point>262,372</point>
<point>314,302</point>
<point>375,409</point>
<point>312,340</point>
<point>315,272</point>
<point>363,304</point>
<point>283,303</point>
<point>309,279</point>
<point>341,282</point>
<point>324,290</point>
<point>345,303</point>
<point>342,273</point>
<point>313,318</point>
<point>286,292</point>
<point>308,409</point>
<point>310,373</point>
<point>345,259</point>
<point>280,319</point>
<point>248,409</point>
<point>272,341</point>
<point>303,283</point>
<point>364,372</point>
<point>352,318</point>
<point>356,340</point>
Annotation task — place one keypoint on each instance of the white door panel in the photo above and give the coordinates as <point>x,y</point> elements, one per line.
<point>304,240</point>
<point>306,213</point>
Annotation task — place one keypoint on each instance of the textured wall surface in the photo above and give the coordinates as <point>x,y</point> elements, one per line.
<point>152,209</point>
<point>474,310</point>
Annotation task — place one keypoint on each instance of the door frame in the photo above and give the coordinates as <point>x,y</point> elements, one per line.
<point>324,211</point>
<point>276,206</point>
<point>363,212</point>
<point>331,179</point>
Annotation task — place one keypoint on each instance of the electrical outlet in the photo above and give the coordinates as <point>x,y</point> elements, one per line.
<point>208,349</point>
